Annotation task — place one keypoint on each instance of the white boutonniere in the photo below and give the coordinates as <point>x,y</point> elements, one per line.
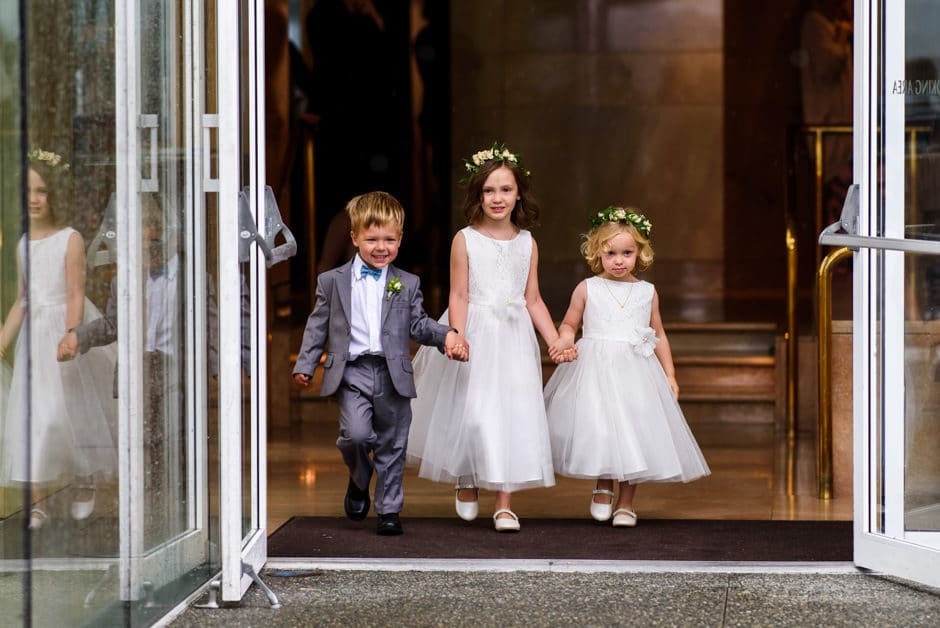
<point>394,287</point>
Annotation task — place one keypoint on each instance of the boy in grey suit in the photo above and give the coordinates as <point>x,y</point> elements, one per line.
<point>367,310</point>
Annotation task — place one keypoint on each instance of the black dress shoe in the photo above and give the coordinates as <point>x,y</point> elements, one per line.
<point>356,502</point>
<point>389,524</point>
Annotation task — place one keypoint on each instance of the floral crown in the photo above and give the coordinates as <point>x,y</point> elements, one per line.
<point>497,152</point>
<point>47,158</point>
<point>626,216</point>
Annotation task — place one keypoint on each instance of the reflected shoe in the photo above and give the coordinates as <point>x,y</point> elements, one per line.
<point>389,525</point>
<point>82,508</point>
<point>602,512</point>
<point>505,524</point>
<point>624,518</point>
<point>356,503</point>
<point>37,518</point>
<point>467,511</point>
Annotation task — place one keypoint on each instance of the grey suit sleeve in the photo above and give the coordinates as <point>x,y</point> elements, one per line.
<point>316,331</point>
<point>101,331</point>
<point>424,329</point>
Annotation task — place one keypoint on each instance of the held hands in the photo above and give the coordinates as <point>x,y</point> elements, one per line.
<point>456,347</point>
<point>303,380</point>
<point>68,347</point>
<point>563,350</point>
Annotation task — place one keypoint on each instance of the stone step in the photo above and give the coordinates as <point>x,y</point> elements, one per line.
<point>719,373</point>
<point>721,338</point>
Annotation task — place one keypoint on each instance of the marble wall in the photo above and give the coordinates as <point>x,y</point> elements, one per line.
<point>609,102</point>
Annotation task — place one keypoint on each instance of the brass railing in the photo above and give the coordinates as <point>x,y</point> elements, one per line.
<point>824,361</point>
<point>823,288</point>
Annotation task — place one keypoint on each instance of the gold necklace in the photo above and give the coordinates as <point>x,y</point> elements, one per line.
<point>623,303</point>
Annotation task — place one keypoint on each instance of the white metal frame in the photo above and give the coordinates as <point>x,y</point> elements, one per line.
<point>238,548</point>
<point>879,345</point>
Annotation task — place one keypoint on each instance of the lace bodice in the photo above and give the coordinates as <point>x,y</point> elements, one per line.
<point>499,269</point>
<point>616,310</point>
<point>47,268</point>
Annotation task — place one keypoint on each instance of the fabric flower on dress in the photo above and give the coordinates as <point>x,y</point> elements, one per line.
<point>644,341</point>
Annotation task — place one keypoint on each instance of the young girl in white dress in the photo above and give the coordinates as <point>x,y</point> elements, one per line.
<point>481,424</point>
<point>72,411</point>
<point>613,414</point>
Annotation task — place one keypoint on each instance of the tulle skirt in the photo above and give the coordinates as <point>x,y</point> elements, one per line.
<point>483,420</point>
<point>73,413</point>
<point>612,415</point>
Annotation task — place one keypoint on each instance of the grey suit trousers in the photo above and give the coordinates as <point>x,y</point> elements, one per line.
<point>374,419</point>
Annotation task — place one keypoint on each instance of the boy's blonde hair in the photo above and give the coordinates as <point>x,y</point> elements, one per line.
<point>375,209</point>
<point>596,243</point>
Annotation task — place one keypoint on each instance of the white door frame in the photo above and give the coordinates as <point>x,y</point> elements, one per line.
<point>879,346</point>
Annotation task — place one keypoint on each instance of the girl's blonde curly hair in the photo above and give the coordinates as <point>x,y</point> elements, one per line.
<point>596,243</point>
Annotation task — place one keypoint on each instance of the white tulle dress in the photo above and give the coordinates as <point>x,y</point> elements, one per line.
<point>611,413</point>
<point>73,410</point>
<point>484,420</point>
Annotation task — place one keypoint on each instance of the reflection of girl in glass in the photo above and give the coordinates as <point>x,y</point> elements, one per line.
<point>70,409</point>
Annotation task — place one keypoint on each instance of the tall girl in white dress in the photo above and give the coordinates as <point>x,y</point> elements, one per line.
<point>613,414</point>
<point>481,424</point>
<point>72,411</point>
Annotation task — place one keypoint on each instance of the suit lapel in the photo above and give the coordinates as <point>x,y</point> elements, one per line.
<point>344,288</point>
<point>386,297</point>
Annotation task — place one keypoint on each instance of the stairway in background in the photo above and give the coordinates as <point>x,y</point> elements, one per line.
<point>727,372</point>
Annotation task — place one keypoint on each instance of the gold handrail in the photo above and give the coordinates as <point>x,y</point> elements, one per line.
<point>791,336</point>
<point>818,133</point>
<point>824,360</point>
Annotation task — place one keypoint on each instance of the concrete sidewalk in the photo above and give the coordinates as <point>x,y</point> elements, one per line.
<point>318,597</point>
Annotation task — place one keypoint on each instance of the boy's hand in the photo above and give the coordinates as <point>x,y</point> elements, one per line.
<point>456,347</point>
<point>300,378</point>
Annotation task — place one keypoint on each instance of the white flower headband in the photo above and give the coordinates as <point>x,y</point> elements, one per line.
<point>619,214</point>
<point>48,158</point>
<point>497,152</point>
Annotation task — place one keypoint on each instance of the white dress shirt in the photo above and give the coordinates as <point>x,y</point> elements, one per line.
<point>365,305</point>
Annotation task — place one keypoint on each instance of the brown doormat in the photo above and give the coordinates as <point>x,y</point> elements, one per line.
<point>652,539</point>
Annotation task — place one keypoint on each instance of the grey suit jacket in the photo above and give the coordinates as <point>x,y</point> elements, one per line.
<point>403,318</point>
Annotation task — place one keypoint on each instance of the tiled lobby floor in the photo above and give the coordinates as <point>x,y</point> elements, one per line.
<point>749,479</point>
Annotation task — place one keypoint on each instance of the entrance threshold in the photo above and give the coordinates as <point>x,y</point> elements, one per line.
<point>288,566</point>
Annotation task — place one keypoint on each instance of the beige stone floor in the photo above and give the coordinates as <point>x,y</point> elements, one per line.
<point>749,480</point>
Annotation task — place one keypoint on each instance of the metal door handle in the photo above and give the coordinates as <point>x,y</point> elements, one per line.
<point>273,225</point>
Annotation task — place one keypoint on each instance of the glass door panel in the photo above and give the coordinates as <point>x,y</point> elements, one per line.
<point>897,347</point>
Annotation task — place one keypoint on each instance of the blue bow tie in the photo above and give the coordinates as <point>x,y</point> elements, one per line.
<point>365,271</point>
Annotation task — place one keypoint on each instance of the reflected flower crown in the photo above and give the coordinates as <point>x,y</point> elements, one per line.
<point>47,158</point>
<point>626,216</point>
<point>497,152</point>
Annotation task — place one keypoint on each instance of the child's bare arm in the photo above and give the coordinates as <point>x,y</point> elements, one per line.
<point>74,282</point>
<point>536,307</point>
<point>459,287</point>
<point>562,350</point>
<point>663,351</point>
<point>15,317</point>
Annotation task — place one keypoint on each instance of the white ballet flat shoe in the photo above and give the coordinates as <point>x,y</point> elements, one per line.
<point>467,511</point>
<point>624,518</point>
<point>507,524</point>
<point>602,512</point>
<point>82,509</point>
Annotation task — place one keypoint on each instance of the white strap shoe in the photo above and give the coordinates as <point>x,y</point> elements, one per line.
<point>602,512</point>
<point>467,511</point>
<point>506,524</point>
<point>624,518</point>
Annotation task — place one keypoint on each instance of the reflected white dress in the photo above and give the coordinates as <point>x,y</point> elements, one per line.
<point>485,419</point>
<point>611,413</point>
<point>74,412</point>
